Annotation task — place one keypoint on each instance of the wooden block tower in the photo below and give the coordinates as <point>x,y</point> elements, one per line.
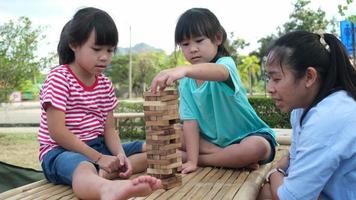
<point>163,132</point>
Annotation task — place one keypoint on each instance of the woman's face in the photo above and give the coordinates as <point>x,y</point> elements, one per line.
<point>287,92</point>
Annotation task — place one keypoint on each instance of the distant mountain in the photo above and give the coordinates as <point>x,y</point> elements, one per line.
<point>138,48</point>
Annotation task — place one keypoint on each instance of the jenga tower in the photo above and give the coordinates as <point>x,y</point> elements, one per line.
<point>163,137</point>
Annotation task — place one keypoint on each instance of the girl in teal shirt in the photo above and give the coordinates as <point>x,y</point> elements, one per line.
<point>220,127</point>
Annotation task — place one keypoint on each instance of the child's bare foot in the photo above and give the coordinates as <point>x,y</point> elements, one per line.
<point>188,167</point>
<point>124,189</point>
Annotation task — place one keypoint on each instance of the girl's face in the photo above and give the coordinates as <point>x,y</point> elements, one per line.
<point>199,49</point>
<point>286,91</point>
<point>91,59</point>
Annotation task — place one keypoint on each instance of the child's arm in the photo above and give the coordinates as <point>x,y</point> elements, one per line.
<point>191,139</point>
<point>66,139</point>
<point>113,142</point>
<point>202,71</point>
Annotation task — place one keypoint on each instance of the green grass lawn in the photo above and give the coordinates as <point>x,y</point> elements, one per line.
<point>20,149</point>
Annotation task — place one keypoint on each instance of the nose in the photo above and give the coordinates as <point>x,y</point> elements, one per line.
<point>105,56</point>
<point>193,48</point>
<point>270,88</point>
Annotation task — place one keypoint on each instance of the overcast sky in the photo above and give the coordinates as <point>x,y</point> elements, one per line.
<point>153,21</point>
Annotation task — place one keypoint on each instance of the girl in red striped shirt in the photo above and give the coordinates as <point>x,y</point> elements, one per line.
<point>78,142</point>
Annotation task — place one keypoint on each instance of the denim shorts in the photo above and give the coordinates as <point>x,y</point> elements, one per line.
<point>59,164</point>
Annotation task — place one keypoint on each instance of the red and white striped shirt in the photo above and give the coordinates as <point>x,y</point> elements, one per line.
<point>85,108</point>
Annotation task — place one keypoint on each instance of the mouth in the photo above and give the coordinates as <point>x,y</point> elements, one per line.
<point>101,66</point>
<point>277,101</point>
<point>195,58</point>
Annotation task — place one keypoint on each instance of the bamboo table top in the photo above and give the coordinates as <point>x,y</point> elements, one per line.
<point>206,183</point>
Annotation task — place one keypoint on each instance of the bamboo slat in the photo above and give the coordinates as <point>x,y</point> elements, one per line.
<point>21,189</point>
<point>205,183</point>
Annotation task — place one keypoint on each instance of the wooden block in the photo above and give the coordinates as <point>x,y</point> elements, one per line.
<point>171,182</point>
<point>160,149</point>
<point>168,97</point>
<point>158,123</point>
<point>159,171</point>
<point>167,107</point>
<point>160,103</point>
<point>150,98</point>
<point>150,132</point>
<point>153,112</point>
<point>171,116</point>
<point>158,142</point>
<point>160,93</point>
<point>171,146</point>
<point>164,157</point>
<point>159,128</point>
<point>164,162</point>
<point>148,108</point>
<point>166,166</point>
<point>162,137</point>
<point>161,152</point>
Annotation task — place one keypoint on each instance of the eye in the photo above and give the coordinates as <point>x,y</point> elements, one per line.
<point>96,48</point>
<point>198,40</point>
<point>266,77</point>
<point>184,44</point>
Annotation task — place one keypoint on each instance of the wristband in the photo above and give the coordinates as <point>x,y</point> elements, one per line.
<point>273,171</point>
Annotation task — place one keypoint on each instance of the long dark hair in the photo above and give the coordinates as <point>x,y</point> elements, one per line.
<point>325,52</point>
<point>78,29</point>
<point>197,22</point>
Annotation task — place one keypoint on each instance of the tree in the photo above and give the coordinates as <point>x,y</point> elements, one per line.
<point>18,62</point>
<point>249,70</point>
<point>302,18</point>
<point>343,8</point>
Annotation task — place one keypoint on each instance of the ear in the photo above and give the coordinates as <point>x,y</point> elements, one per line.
<point>311,76</point>
<point>73,47</point>
<point>218,38</point>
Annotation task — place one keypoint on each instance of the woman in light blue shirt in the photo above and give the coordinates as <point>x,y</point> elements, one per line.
<point>311,75</point>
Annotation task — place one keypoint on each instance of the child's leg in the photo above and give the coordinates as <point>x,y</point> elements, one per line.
<point>88,185</point>
<point>249,151</point>
<point>136,152</point>
<point>138,162</point>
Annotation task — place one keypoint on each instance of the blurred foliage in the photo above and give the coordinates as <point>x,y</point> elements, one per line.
<point>301,18</point>
<point>18,61</point>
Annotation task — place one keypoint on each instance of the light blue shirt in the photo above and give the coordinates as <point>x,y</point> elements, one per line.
<point>224,115</point>
<point>323,151</point>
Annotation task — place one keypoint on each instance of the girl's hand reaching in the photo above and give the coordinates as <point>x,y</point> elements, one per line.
<point>167,77</point>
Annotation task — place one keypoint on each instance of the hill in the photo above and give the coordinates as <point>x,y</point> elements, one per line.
<point>138,48</point>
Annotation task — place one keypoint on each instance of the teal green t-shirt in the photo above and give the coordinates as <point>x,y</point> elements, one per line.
<point>224,115</point>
